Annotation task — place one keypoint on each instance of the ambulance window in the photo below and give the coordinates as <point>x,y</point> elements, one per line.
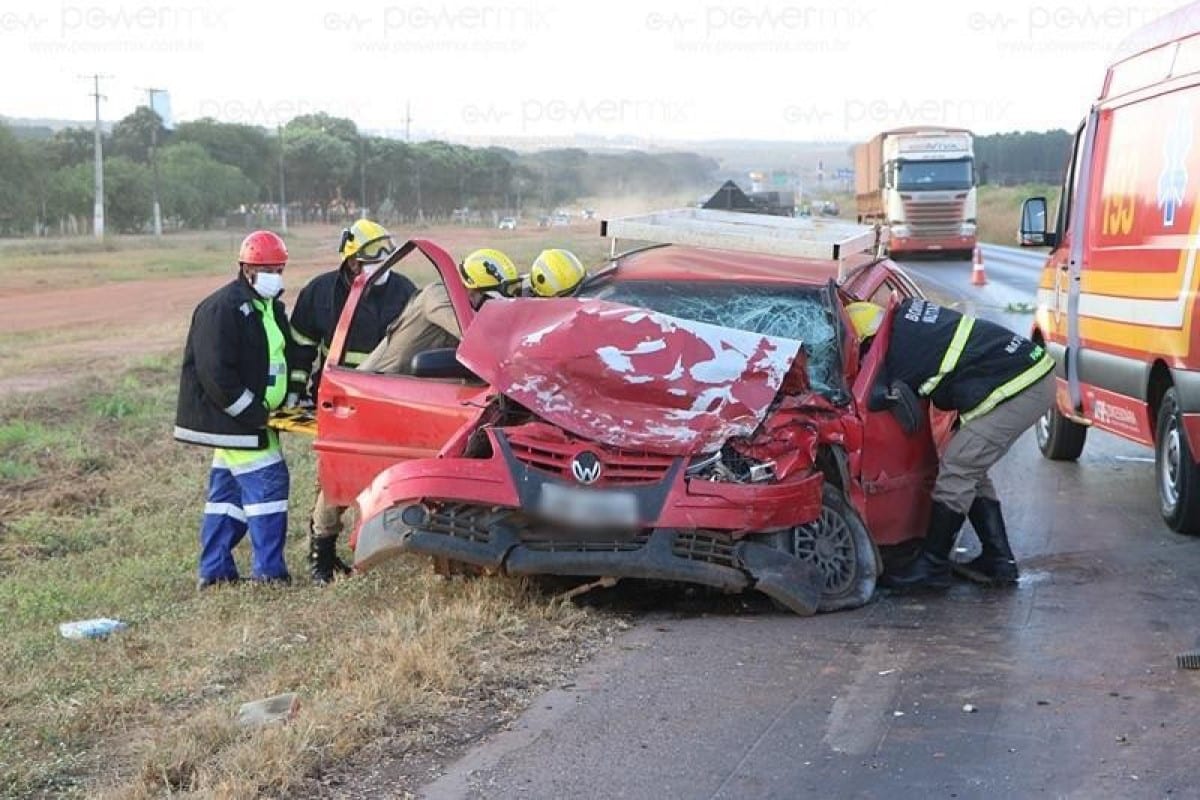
<point>1069,182</point>
<point>1187,60</point>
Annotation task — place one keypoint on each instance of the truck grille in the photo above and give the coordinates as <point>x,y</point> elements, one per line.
<point>618,467</point>
<point>929,219</point>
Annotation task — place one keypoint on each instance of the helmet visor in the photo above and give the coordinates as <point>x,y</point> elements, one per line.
<point>375,250</point>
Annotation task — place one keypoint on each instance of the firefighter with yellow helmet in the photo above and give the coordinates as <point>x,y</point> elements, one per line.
<point>556,273</point>
<point>363,248</point>
<point>428,321</point>
<point>1000,383</point>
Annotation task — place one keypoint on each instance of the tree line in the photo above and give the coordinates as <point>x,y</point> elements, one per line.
<point>207,169</point>
<point>1013,158</point>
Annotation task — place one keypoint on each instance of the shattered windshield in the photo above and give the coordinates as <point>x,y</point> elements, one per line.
<point>787,311</point>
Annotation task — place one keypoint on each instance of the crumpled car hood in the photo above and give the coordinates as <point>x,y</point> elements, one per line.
<point>628,377</point>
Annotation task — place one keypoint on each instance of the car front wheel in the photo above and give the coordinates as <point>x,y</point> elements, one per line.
<point>837,544</point>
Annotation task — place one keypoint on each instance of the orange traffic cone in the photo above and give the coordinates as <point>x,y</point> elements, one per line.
<point>978,276</point>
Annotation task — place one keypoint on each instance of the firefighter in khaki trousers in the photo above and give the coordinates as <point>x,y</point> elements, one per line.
<point>1000,383</point>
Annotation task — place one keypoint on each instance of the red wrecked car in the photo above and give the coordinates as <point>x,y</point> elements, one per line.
<point>694,415</point>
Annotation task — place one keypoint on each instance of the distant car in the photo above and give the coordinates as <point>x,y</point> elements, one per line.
<point>558,220</point>
<point>589,213</point>
<point>508,224</point>
<point>830,209</point>
<point>543,222</point>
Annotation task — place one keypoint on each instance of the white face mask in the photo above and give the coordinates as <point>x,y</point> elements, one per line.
<point>268,284</point>
<point>371,269</point>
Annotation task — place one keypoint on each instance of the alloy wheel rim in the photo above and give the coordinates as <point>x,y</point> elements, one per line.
<point>1168,471</point>
<point>827,544</point>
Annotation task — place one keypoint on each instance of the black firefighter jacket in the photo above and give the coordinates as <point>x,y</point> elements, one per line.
<point>318,308</point>
<point>961,363</point>
<point>225,370</point>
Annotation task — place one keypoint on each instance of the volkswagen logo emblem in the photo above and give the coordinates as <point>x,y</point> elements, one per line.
<point>586,467</point>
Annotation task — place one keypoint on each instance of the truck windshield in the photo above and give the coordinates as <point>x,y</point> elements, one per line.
<point>918,175</point>
<point>786,311</point>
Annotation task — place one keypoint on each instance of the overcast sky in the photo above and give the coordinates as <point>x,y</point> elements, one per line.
<point>657,70</point>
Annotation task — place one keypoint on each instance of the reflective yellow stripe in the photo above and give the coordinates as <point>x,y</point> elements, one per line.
<point>953,354</point>
<point>300,339</point>
<point>299,376</point>
<point>354,359</point>
<point>1012,388</point>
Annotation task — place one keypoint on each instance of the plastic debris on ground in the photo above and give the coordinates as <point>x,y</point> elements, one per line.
<point>91,628</point>
<point>278,708</point>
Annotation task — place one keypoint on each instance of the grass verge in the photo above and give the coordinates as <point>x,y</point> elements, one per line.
<point>98,517</point>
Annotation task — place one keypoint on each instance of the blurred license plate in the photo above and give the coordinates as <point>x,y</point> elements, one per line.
<point>588,507</point>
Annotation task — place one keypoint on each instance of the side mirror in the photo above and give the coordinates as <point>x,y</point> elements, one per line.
<point>440,363</point>
<point>1033,231</point>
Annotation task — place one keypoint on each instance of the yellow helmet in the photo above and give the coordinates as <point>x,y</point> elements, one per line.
<point>556,273</point>
<point>489,269</point>
<point>866,317</point>
<point>367,241</point>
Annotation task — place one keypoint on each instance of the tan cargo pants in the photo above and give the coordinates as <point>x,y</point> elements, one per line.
<point>326,518</point>
<point>980,443</point>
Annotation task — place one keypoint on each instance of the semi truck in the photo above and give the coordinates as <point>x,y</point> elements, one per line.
<point>920,182</point>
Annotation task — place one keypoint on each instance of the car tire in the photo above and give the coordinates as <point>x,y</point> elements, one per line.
<point>838,544</point>
<point>1059,438</point>
<point>1175,472</point>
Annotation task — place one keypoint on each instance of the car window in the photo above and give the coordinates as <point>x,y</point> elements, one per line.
<point>786,311</point>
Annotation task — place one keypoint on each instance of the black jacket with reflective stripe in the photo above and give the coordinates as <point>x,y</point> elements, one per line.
<point>319,306</point>
<point>226,367</point>
<point>922,333</point>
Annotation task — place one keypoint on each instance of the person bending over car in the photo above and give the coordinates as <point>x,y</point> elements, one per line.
<point>1000,383</point>
<point>428,321</point>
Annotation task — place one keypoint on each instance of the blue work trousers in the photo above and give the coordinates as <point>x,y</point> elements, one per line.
<point>251,498</point>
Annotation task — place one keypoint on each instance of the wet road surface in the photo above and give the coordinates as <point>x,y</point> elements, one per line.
<point>1065,686</point>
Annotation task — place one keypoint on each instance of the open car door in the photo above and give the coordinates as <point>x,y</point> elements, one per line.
<point>897,469</point>
<point>368,421</point>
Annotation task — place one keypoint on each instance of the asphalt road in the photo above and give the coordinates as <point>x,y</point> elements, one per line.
<point>1065,686</point>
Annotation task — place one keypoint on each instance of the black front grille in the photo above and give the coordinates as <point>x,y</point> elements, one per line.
<point>704,546</point>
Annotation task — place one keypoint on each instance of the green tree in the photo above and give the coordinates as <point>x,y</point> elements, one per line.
<point>317,165</point>
<point>17,204</point>
<point>127,194</point>
<point>252,150</point>
<point>198,188</point>
<point>131,137</point>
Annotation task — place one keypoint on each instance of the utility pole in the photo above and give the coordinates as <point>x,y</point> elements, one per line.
<point>154,160</point>
<point>407,121</point>
<point>282,193</point>
<point>362,174</point>
<point>98,204</point>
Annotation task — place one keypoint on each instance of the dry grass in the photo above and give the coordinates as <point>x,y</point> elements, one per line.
<point>999,210</point>
<point>98,517</point>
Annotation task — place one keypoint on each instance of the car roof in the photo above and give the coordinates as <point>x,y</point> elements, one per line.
<point>679,263</point>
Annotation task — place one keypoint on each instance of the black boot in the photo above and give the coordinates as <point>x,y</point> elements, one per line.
<point>931,568</point>
<point>996,565</point>
<point>323,560</point>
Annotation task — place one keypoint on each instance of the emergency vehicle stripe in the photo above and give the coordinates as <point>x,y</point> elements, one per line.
<point>262,509</point>
<point>354,358</point>
<point>225,510</point>
<point>241,404</point>
<point>1012,388</point>
<point>300,339</point>
<point>299,376</point>
<point>953,354</point>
